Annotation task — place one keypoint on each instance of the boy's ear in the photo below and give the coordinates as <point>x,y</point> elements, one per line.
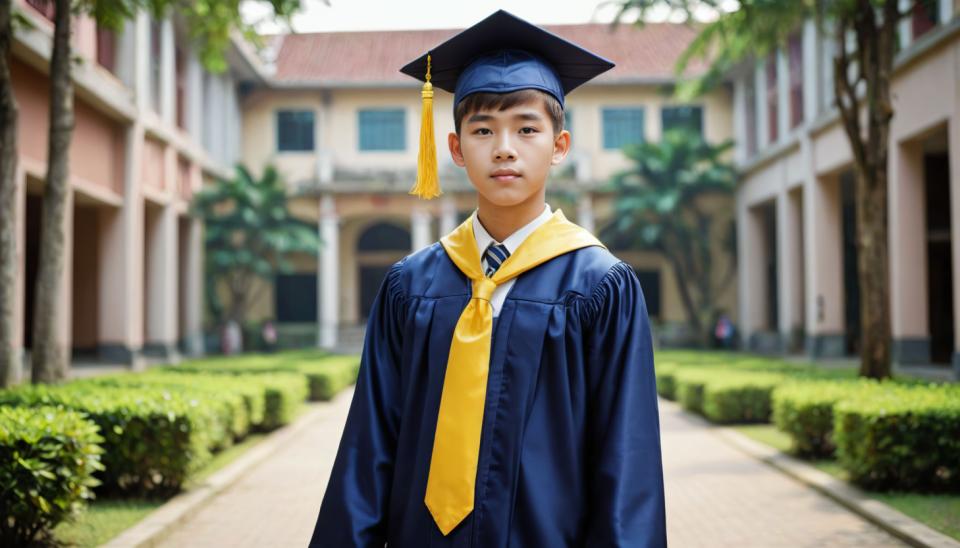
<point>453,140</point>
<point>561,146</point>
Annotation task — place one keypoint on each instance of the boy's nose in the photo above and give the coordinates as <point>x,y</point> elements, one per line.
<point>504,150</point>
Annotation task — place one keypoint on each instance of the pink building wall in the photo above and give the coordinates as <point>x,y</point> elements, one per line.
<point>96,150</point>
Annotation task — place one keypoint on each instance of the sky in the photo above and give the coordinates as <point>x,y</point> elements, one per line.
<point>344,15</point>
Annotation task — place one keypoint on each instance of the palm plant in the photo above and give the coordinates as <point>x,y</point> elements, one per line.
<point>661,205</point>
<point>250,235</point>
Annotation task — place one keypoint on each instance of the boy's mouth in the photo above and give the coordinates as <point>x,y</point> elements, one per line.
<point>505,174</point>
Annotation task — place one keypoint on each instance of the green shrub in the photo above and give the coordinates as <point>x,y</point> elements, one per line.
<point>739,397</point>
<point>689,384</point>
<point>48,457</point>
<point>241,403</point>
<point>153,438</point>
<point>892,436</point>
<point>666,382</point>
<point>804,411</point>
<point>285,395</point>
<point>327,378</point>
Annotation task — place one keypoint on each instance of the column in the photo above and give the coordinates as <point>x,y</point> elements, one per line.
<point>823,250</point>
<point>908,254</point>
<point>193,301</point>
<point>904,29</point>
<point>16,375</point>
<point>327,273</point>
<point>420,227</point>
<point>790,272</point>
<point>121,330</point>
<point>946,11</point>
<point>161,279</point>
<point>783,95</point>
<point>953,136</point>
<point>167,72</point>
<point>749,271</point>
<point>448,215</point>
<point>760,96</point>
<point>585,211</point>
<point>740,120</point>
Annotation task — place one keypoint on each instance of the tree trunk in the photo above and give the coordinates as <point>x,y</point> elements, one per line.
<point>875,48</point>
<point>9,351</point>
<point>49,357</point>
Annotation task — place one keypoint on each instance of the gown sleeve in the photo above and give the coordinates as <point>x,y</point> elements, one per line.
<point>625,468</point>
<point>354,508</point>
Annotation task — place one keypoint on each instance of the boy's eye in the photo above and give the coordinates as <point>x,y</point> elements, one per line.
<point>482,131</point>
<point>528,130</point>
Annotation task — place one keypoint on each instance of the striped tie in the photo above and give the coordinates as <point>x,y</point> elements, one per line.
<point>495,255</point>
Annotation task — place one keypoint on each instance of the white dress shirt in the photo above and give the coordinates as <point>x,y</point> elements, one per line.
<point>512,242</point>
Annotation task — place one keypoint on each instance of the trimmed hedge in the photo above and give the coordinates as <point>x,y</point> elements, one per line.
<point>804,411</point>
<point>153,438</point>
<point>48,457</point>
<point>689,387</point>
<point>739,397</point>
<point>328,378</point>
<point>666,380</point>
<point>892,436</point>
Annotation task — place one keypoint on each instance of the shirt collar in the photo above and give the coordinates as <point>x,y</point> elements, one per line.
<point>513,241</point>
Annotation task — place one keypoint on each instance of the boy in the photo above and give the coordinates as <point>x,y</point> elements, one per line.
<point>506,395</point>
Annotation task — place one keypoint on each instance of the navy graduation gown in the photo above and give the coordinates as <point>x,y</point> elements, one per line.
<point>570,443</point>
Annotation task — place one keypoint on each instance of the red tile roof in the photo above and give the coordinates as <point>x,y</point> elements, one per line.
<point>375,57</point>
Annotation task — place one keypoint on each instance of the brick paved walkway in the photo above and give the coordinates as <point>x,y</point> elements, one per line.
<point>716,496</point>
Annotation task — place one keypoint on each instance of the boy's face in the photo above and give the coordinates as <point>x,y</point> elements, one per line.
<point>508,153</point>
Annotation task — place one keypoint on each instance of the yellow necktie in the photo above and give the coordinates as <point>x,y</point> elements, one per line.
<point>456,445</point>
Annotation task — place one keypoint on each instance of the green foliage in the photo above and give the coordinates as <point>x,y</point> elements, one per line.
<point>48,458</point>
<point>739,397</point>
<point>325,375</point>
<point>804,411</point>
<point>250,234</point>
<point>666,381</point>
<point>891,436</point>
<point>689,386</point>
<point>152,437</point>
<point>659,206</point>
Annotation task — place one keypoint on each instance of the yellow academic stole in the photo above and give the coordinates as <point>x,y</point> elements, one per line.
<point>456,445</point>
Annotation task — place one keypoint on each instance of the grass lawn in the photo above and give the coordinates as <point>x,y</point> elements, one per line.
<point>941,512</point>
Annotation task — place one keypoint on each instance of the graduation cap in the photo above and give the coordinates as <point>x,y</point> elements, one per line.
<point>500,54</point>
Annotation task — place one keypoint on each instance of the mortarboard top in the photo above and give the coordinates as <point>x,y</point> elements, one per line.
<point>500,54</point>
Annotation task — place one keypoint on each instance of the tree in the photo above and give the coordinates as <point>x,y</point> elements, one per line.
<point>661,205</point>
<point>250,236</point>
<point>866,41</point>
<point>210,24</point>
<point>9,354</point>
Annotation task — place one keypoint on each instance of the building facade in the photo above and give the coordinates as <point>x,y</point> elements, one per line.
<point>151,126</point>
<point>795,206</point>
<point>341,123</point>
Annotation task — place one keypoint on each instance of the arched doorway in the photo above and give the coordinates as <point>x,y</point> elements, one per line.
<point>378,247</point>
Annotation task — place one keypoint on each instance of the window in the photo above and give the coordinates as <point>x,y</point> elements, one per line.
<point>650,285</point>
<point>771,69</point>
<point>295,298</point>
<point>106,48</point>
<point>383,129</point>
<point>750,123</point>
<point>295,130</point>
<point>683,116</point>
<point>795,64</point>
<point>621,127</point>
<point>180,72</point>
<point>923,17</point>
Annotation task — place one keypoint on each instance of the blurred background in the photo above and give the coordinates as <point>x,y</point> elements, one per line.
<point>184,180</point>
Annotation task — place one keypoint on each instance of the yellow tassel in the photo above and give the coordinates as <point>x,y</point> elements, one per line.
<point>428,183</point>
